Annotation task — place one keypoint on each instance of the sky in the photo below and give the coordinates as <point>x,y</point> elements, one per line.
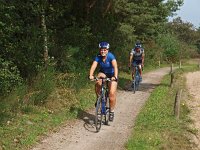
<point>190,12</point>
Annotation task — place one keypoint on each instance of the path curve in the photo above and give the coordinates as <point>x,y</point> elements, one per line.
<point>80,134</point>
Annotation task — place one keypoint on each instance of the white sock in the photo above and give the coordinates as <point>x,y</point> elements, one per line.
<point>112,110</point>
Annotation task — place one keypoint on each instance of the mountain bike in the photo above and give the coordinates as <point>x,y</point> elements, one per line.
<point>137,79</point>
<point>102,109</point>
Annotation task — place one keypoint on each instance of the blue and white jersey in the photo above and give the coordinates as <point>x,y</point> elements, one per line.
<point>106,66</point>
<point>137,55</point>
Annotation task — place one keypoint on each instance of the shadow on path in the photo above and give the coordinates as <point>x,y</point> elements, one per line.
<point>86,117</point>
<point>149,86</point>
<point>145,87</point>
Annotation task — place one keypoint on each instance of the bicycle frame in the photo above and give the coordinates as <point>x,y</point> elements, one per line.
<point>104,91</point>
<point>102,107</point>
<point>136,80</point>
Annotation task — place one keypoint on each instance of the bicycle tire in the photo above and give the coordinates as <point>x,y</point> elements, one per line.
<point>107,110</point>
<point>134,86</point>
<point>98,115</point>
<point>137,85</point>
<point>137,81</point>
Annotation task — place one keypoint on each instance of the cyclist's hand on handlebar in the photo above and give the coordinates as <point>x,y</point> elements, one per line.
<point>114,79</point>
<point>91,77</point>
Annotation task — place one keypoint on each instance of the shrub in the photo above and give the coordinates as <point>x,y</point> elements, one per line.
<point>9,76</point>
<point>170,46</point>
<point>43,86</point>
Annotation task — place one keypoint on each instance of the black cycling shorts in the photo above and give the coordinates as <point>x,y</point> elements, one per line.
<point>108,75</point>
<point>137,62</point>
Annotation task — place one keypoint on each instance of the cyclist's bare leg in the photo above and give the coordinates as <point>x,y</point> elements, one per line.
<point>133,72</point>
<point>112,94</point>
<point>99,83</point>
<point>140,70</point>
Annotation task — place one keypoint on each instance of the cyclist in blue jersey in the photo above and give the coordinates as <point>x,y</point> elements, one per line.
<point>137,58</point>
<point>108,68</point>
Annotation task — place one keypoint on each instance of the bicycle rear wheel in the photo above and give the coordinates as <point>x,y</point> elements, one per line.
<point>98,115</point>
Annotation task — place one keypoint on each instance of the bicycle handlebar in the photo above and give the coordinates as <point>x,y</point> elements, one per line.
<point>104,79</point>
<point>101,78</point>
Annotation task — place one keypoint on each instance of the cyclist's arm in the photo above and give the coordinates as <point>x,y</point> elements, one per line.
<point>142,59</point>
<point>130,59</point>
<point>114,64</point>
<point>92,69</point>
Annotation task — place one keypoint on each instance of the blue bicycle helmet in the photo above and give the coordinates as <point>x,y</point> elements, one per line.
<point>104,45</point>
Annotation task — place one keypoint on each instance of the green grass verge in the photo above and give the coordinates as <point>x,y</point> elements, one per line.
<point>156,127</point>
<point>19,130</point>
<point>22,124</point>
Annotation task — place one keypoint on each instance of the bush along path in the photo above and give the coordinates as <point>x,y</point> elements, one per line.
<point>81,133</point>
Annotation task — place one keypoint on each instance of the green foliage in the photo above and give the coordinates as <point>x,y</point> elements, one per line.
<point>152,54</point>
<point>125,31</point>
<point>198,47</point>
<point>184,31</point>
<point>74,29</point>
<point>73,81</point>
<point>198,41</point>
<point>21,36</point>
<point>43,86</point>
<point>170,46</point>
<point>9,77</point>
<point>67,61</point>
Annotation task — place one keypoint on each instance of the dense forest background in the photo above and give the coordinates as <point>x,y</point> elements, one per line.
<point>40,39</point>
<point>47,47</point>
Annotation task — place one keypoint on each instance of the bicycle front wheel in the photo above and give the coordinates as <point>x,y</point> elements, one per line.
<point>107,110</point>
<point>134,86</point>
<point>98,115</point>
<point>137,82</point>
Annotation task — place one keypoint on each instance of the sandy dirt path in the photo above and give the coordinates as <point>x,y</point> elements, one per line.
<point>80,134</point>
<point>193,86</point>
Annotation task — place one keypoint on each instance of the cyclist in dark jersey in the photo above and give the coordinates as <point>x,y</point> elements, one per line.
<point>108,68</point>
<point>137,58</point>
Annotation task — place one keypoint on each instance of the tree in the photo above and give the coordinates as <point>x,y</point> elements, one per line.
<point>170,46</point>
<point>185,31</point>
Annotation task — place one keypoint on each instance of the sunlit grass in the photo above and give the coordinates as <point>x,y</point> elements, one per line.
<point>156,126</point>
<point>21,129</point>
<point>22,123</point>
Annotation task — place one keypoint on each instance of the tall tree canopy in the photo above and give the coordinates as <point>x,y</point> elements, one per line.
<point>71,30</point>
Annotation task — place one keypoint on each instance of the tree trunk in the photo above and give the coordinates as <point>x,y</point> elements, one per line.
<point>44,28</point>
